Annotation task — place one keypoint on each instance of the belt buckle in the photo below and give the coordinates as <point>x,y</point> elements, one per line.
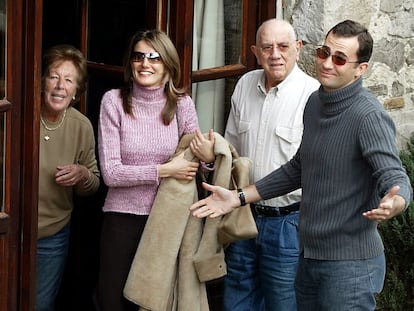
<point>277,212</point>
<point>259,209</point>
<point>267,211</point>
<point>284,211</point>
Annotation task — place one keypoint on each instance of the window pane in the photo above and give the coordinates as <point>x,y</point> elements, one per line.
<point>212,101</point>
<point>233,31</point>
<point>217,33</point>
<point>217,42</point>
<point>111,24</point>
<point>60,28</point>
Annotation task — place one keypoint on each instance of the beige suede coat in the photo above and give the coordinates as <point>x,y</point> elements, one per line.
<point>178,253</point>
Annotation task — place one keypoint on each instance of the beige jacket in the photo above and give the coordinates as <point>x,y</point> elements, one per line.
<point>178,253</point>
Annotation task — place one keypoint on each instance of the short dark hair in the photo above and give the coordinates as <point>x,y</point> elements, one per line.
<point>349,28</point>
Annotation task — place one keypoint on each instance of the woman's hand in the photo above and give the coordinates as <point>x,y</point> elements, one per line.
<point>202,147</point>
<point>178,168</point>
<point>71,174</point>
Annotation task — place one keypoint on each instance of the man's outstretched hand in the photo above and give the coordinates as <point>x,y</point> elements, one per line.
<point>391,205</point>
<point>220,202</point>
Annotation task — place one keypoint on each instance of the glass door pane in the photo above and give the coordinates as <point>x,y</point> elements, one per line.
<point>217,43</point>
<point>111,23</point>
<point>217,33</point>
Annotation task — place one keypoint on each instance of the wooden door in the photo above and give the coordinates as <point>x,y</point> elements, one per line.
<point>22,38</point>
<point>20,52</point>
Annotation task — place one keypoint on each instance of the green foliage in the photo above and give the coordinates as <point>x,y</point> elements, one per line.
<point>407,158</point>
<point>398,237</point>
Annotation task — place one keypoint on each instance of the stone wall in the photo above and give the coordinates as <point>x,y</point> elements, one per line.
<point>391,24</point>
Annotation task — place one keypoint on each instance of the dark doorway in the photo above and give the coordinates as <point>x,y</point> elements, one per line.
<point>110,23</point>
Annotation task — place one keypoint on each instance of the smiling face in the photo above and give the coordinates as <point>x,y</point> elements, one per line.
<point>147,72</point>
<point>276,50</point>
<point>60,86</point>
<point>334,77</point>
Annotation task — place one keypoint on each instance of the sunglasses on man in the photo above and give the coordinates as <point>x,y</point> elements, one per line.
<point>324,52</point>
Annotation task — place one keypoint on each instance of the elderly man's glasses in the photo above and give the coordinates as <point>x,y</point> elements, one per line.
<point>268,49</point>
<point>324,52</point>
<point>153,57</point>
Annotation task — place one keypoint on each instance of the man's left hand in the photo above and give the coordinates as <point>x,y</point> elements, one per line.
<point>391,205</point>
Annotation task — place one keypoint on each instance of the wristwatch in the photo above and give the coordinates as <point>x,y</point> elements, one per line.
<point>242,197</point>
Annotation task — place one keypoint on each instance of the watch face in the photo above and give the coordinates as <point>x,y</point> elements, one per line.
<point>242,197</point>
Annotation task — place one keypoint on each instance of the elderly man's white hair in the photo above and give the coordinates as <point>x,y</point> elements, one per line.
<point>277,23</point>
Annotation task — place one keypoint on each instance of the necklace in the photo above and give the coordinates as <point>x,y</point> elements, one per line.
<point>47,137</point>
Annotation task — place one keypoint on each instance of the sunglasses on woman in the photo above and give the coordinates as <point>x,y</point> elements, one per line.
<point>324,52</point>
<point>153,57</point>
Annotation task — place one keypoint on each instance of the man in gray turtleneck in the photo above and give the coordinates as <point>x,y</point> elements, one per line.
<point>351,177</point>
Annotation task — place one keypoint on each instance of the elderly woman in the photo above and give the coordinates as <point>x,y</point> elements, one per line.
<point>67,164</point>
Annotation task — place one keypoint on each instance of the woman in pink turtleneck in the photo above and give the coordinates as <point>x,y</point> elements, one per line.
<point>139,129</point>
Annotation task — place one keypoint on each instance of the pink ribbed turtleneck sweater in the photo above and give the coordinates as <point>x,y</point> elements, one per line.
<point>131,147</point>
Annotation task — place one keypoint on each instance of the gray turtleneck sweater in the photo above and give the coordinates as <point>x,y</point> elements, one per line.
<point>346,163</point>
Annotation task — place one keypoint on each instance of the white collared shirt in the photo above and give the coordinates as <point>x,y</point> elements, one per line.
<point>267,126</point>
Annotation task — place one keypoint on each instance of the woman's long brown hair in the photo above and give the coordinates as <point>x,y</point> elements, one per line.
<point>169,56</point>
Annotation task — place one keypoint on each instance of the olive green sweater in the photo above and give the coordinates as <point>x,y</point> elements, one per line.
<point>72,143</point>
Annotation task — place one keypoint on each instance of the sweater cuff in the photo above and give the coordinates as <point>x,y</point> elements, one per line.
<point>208,166</point>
